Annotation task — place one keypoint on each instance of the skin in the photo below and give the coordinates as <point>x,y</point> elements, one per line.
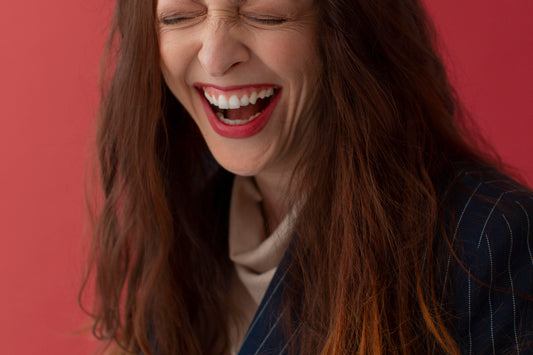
<point>242,42</point>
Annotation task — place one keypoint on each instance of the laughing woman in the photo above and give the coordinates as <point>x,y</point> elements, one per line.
<point>294,177</point>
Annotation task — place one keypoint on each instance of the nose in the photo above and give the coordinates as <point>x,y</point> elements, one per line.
<point>222,49</point>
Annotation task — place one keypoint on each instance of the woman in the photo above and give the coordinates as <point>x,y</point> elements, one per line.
<point>294,176</point>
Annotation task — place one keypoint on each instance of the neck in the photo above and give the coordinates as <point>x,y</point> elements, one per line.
<point>274,190</point>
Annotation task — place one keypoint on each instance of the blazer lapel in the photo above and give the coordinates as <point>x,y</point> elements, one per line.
<point>265,334</point>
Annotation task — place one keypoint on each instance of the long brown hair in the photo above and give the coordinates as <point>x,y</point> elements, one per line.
<point>364,257</point>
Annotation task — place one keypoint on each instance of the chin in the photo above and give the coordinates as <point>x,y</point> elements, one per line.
<point>240,169</point>
<point>240,165</point>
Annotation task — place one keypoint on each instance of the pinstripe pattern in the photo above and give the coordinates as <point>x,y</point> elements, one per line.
<point>488,218</point>
<point>296,331</point>
<point>491,263</point>
<point>264,306</point>
<point>455,237</point>
<point>500,316</point>
<point>265,336</point>
<point>528,231</point>
<point>511,283</point>
<point>269,333</point>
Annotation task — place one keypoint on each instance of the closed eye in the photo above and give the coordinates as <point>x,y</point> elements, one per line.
<point>265,20</point>
<point>174,20</point>
<point>181,19</point>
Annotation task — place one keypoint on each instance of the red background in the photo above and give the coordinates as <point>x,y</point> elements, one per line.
<point>49,60</point>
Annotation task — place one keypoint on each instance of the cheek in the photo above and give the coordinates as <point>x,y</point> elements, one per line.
<point>291,56</point>
<point>174,69</point>
<point>172,66</point>
<point>176,56</point>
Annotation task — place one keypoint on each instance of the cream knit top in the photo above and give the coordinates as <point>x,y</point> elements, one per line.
<point>254,254</point>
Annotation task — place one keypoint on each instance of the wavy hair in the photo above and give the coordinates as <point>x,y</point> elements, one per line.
<point>365,251</point>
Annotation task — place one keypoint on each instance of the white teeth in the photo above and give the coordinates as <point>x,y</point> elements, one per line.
<point>253,98</point>
<point>234,102</point>
<point>235,122</point>
<point>208,97</point>
<point>223,102</point>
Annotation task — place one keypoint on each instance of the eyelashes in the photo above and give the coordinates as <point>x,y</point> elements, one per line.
<point>185,19</point>
<point>174,20</point>
<point>266,20</point>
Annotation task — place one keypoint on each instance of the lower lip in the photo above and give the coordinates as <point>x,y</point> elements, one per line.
<point>245,130</point>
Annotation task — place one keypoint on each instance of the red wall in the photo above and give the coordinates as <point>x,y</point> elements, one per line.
<point>490,55</point>
<point>49,63</point>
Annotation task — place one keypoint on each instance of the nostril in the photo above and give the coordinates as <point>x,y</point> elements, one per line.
<point>234,65</point>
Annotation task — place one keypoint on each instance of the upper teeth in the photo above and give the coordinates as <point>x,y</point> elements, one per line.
<point>234,102</point>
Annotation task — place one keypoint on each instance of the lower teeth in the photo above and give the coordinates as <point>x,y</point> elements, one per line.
<point>236,122</point>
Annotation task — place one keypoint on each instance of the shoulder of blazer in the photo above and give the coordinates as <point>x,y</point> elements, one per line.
<point>491,274</point>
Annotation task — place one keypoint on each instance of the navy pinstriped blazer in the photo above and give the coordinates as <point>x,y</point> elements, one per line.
<point>493,239</point>
<point>492,236</point>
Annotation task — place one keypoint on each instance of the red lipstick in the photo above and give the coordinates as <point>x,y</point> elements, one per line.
<point>244,130</point>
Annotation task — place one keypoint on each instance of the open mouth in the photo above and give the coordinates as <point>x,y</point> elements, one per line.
<point>241,106</point>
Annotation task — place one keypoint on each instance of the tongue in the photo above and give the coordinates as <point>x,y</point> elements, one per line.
<point>246,112</point>
<point>242,113</point>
